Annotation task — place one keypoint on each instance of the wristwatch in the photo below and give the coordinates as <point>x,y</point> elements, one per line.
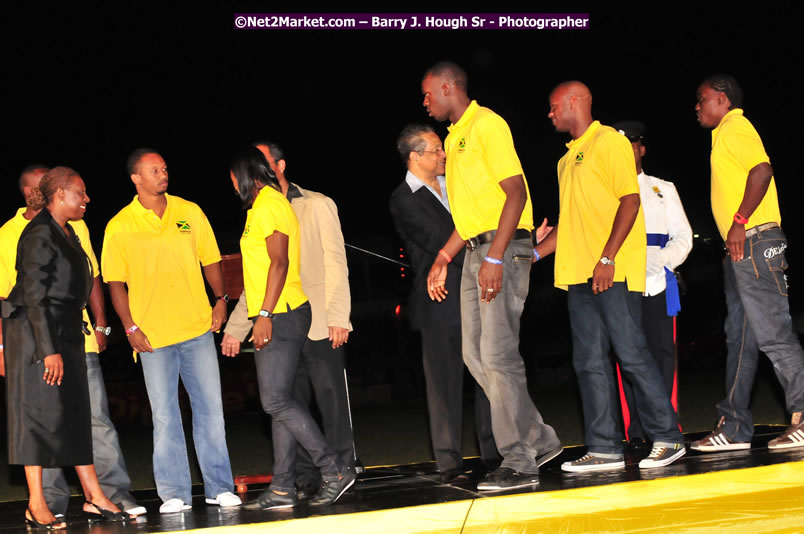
<point>606,261</point>
<point>224,298</point>
<point>266,313</point>
<point>105,330</point>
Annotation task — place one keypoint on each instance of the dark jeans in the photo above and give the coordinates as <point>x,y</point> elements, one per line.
<point>613,318</point>
<point>323,367</point>
<point>291,422</point>
<point>758,319</point>
<point>658,329</point>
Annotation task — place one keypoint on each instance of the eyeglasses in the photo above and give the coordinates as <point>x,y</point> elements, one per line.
<point>437,151</point>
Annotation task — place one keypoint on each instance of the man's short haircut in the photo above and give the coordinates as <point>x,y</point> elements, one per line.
<point>723,83</point>
<point>411,140</point>
<point>251,169</point>
<point>55,179</point>
<point>276,151</point>
<point>29,169</point>
<point>451,72</point>
<point>135,157</point>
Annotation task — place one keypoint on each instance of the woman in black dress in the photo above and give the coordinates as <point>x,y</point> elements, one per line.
<point>48,398</point>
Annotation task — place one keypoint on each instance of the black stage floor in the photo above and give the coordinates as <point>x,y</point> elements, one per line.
<point>386,488</point>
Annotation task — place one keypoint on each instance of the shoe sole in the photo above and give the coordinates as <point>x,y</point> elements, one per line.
<point>184,508</point>
<point>667,461</point>
<point>721,448</point>
<point>215,502</point>
<point>591,469</point>
<point>497,487</point>
<point>277,507</point>
<point>779,446</point>
<point>136,511</point>
<point>543,459</point>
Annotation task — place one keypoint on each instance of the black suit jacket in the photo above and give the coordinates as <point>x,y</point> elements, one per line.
<point>54,278</point>
<point>424,226</point>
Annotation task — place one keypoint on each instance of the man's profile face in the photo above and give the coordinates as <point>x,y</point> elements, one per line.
<point>433,158</point>
<point>559,113</point>
<point>434,99</point>
<point>151,174</point>
<point>710,106</point>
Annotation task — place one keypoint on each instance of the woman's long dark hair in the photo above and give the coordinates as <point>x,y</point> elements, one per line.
<point>252,171</point>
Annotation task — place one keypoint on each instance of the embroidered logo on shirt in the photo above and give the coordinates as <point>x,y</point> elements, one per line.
<point>245,230</point>
<point>657,191</point>
<point>183,226</point>
<point>461,144</point>
<point>579,158</point>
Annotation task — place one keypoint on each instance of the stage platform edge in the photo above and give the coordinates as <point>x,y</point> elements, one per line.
<point>760,499</point>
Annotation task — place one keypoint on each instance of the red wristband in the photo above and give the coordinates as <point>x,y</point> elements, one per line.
<point>446,256</point>
<point>739,219</point>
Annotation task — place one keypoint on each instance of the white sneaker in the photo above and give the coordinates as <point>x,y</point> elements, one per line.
<point>225,500</point>
<point>133,510</point>
<point>172,506</point>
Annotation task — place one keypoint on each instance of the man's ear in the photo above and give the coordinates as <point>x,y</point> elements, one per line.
<point>136,179</point>
<point>281,164</point>
<point>446,88</point>
<point>642,150</point>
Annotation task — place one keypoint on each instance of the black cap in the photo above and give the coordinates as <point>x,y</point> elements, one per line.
<point>633,130</point>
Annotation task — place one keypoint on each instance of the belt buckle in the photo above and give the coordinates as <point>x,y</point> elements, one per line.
<point>472,243</point>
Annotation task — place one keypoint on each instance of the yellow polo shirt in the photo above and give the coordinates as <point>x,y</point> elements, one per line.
<point>736,149</point>
<point>270,213</point>
<point>160,261</point>
<point>597,170</point>
<point>9,237</point>
<point>480,154</point>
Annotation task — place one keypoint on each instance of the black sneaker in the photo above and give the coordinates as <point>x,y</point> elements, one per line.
<point>307,491</point>
<point>331,490</point>
<point>268,500</point>
<point>506,478</point>
<point>457,474</point>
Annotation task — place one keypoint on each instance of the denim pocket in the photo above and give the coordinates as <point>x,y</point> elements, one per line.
<point>777,265</point>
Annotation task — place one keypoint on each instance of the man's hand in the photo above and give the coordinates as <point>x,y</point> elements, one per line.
<point>735,241</point>
<point>54,370</point>
<point>437,279</point>
<point>490,279</point>
<point>100,337</point>
<point>602,278</point>
<point>543,231</point>
<point>218,315</point>
<point>262,333</point>
<point>139,341</point>
<point>230,346</point>
<point>338,336</point>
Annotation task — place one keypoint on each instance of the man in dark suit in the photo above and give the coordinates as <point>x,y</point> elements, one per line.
<point>422,218</point>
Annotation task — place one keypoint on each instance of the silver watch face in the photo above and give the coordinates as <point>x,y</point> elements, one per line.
<point>606,261</point>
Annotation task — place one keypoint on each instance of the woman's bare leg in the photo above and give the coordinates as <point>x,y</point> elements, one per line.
<point>36,499</point>
<point>92,490</point>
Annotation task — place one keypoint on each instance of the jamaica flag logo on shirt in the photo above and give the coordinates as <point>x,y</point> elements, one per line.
<point>183,226</point>
<point>579,158</point>
<point>245,230</point>
<point>461,144</point>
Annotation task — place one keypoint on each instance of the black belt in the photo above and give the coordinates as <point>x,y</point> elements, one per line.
<point>487,237</point>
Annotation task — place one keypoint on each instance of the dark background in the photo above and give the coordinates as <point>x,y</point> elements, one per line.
<point>87,83</point>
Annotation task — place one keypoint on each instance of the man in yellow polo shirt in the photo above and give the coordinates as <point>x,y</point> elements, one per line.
<point>746,210</point>
<point>491,208</point>
<point>156,246</point>
<point>600,248</point>
<point>109,463</point>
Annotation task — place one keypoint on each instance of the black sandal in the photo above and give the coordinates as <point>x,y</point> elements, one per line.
<point>105,515</point>
<point>34,524</point>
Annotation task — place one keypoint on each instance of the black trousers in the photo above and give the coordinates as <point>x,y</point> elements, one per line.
<point>658,329</point>
<point>323,366</point>
<point>442,360</point>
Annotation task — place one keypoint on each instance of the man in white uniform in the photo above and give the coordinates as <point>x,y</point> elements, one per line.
<point>669,242</point>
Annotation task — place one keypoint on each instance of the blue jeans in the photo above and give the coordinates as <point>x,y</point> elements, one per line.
<point>196,362</point>
<point>291,422</point>
<point>613,318</point>
<point>758,319</point>
<point>490,342</point>
<point>108,458</point>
